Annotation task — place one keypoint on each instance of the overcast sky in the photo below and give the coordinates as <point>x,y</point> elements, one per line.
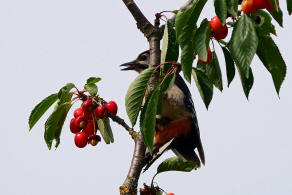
<point>45,44</point>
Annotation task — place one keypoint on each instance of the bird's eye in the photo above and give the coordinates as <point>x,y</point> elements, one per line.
<point>143,57</point>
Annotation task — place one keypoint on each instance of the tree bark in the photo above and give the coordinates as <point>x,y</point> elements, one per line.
<point>153,34</point>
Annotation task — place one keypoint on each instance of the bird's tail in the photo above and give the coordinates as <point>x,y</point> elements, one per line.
<point>157,152</point>
<point>189,156</point>
<point>201,152</point>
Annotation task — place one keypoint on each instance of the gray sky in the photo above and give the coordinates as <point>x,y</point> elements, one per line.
<point>45,44</point>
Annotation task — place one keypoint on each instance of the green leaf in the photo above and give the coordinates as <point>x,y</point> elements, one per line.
<point>185,25</point>
<point>202,39</point>
<point>148,118</point>
<point>265,27</point>
<point>189,15</point>
<point>232,7</point>
<point>247,83</point>
<point>289,6</point>
<point>201,66</point>
<point>271,57</point>
<point>64,93</point>
<point>243,43</point>
<point>221,10</point>
<point>40,109</point>
<point>91,88</point>
<point>176,164</point>
<point>159,192</point>
<point>93,80</point>
<point>175,11</point>
<point>278,16</point>
<point>143,112</point>
<point>135,94</point>
<point>54,124</point>
<point>204,85</point>
<point>170,48</point>
<point>160,103</point>
<point>105,130</point>
<point>213,72</point>
<point>275,4</point>
<point>167,84</point>
<point>187,58</point>
<point>230,67</point>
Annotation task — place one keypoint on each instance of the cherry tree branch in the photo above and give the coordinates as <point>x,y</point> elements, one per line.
<point>130,184</point>
<point>153,34</point>
<point>142,22</point>
<point>122,122</point>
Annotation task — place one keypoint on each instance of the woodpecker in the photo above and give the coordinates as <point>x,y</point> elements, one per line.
<point>177,127</point>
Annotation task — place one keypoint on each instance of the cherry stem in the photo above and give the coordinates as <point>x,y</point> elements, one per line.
<point>170,70</point>
<point>77,90</point>
<point>152,181</point>
<point>157,67</point>
<point>165,11</point>
<point>94,120</point>
<point>164,63</point>
<point>122,122</point>
<point>73,99</point>
<point>160,15</point>
<point>165,17</point>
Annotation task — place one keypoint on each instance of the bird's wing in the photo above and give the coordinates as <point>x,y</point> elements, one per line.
<point>188,102</point>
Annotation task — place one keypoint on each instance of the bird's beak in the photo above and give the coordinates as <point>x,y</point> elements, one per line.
<point>129,65</point>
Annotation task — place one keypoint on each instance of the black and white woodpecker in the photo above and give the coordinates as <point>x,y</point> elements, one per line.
<point>177,127</point>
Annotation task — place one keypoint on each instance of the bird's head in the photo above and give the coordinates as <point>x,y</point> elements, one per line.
<point>139,64</point>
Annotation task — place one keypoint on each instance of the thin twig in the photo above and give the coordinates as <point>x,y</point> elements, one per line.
<point>122,122</point>
<point>189,2</point>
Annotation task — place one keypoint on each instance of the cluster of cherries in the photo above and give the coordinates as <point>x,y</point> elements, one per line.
<point>84,126</point>
<point>250,6</point>
<point>220,32</point>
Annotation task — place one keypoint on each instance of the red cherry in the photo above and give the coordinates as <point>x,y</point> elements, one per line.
<point>112,107</point>
<point>100,111</point>
<point>81,122</point>
<point>170,194</point>
<point>260,4</point>
<point>88,115</point>
<point>209,58</point>
<point>89,129</point>
<point>248,6</point>
<point>78,112</point>
<point>93,140</point>
<point>87,106</point>
<point>81,139</point>
<point>218,31</point>
<point>73,126</point>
